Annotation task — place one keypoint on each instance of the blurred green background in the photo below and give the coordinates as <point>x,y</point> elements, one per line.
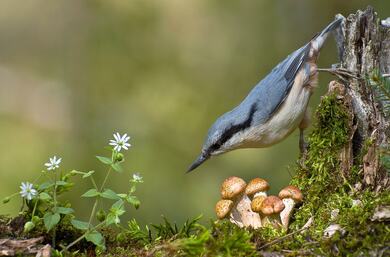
<point>73,72</point>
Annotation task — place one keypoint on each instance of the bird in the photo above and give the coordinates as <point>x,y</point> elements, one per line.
<point>274,108</point>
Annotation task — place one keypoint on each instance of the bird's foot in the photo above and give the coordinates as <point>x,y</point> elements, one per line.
<point>303,148</point>
<point>341,73</point>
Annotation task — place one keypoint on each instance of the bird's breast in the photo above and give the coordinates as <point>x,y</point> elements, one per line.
<point>285,120</point>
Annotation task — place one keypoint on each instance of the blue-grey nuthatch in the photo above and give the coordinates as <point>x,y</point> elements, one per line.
<point>274,108</point>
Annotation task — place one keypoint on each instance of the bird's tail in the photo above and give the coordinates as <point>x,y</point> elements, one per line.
<point>318,41</point>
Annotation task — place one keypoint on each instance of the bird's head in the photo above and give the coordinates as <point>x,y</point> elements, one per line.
<point>224,135</point>
<point>213,145</point>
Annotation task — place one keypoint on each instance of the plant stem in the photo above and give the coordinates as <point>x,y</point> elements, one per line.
<point>105,179</point>
<point>74,242</point>
<point>35,207</point>
<point>39,177</point>
<point>93,211</point>
<point>94,183</point>
<point>97,198</point>
<point>82,236</point>
<point>55,206</point>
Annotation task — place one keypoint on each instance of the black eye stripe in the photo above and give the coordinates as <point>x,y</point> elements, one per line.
<point>233,129</point>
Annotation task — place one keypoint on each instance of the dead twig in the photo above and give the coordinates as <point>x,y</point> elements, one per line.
<point>306,226</point>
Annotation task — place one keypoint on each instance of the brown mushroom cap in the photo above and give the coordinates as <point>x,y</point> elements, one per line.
<point>272,205</point>
<point>232,187</point>
<point>223,208</point>
<point>256,185</point>
<point>256,203</point>
<point>291,192</point>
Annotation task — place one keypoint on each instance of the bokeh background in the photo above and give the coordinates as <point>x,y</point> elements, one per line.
<point>73,72</point>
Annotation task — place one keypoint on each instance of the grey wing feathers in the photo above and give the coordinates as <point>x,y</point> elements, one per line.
<point>292,70</point>
<point>271,92</point>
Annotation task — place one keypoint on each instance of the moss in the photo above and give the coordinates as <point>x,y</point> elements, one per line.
<point>222,239</point>
<point>319,174</point>
<point>325,190</point>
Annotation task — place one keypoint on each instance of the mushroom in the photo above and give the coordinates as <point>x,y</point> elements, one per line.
<point>290,195</point>
<point>256,203</point>
<point>223,208</point>
<point>233,188</point>
<point>271,207</point>
<point>257,187</point>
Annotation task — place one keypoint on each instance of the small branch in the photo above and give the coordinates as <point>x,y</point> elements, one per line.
<point>306,226</point>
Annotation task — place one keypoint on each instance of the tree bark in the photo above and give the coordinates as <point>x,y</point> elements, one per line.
<point>364,46</point>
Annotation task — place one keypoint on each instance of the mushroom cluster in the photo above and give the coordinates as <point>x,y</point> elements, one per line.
<point>247,205</point>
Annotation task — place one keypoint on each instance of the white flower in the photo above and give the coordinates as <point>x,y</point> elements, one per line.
<point>53,163</point>
<point>137,177</point>
<point>120,142</point>
<point>27,191</point>
<point>386,23</point>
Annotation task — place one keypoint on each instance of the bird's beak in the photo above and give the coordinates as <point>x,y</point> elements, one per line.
<point>201,159</point>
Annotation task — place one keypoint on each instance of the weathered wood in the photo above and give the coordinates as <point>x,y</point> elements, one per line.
<point>12,247</point>
<point>366,47</point>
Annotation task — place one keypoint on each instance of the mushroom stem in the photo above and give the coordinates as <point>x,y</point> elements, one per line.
<point>271,207</point>
<point>245,213</point>
<point>235,217</point>
<point>285,215</point>
<point>263,194</point>
<point>290,195</point>
<point>273,220</point>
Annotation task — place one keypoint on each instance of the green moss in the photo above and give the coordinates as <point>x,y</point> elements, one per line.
<point>318,175</point>
<point>325,190</point>
<point>222,239</point>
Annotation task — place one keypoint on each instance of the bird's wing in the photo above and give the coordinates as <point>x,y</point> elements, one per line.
<point>293,64</point>
<point>272,91</point>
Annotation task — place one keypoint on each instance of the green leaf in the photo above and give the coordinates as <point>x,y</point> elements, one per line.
<point>122,195</point>
<point>63,210</point>
<point>44,196</point>
<point>104,160</point>
<point>6,200</point>
<point>95,237</point>
<point>109,194</point>
<point>116,210</point>
<point>117,205</point>
<point>62,183</point>
<point>133,188</point>
<point>112,219</point>
<point>117,167</point>
<point>88,174</point>
<point>133,200</point>
<point>80,224</point>
<point>76,172</point>
<point>50,220</point>
<point>45,185</point>
<point>91,193</point>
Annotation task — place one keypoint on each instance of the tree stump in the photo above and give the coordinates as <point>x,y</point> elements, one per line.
<point>366,50</point>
